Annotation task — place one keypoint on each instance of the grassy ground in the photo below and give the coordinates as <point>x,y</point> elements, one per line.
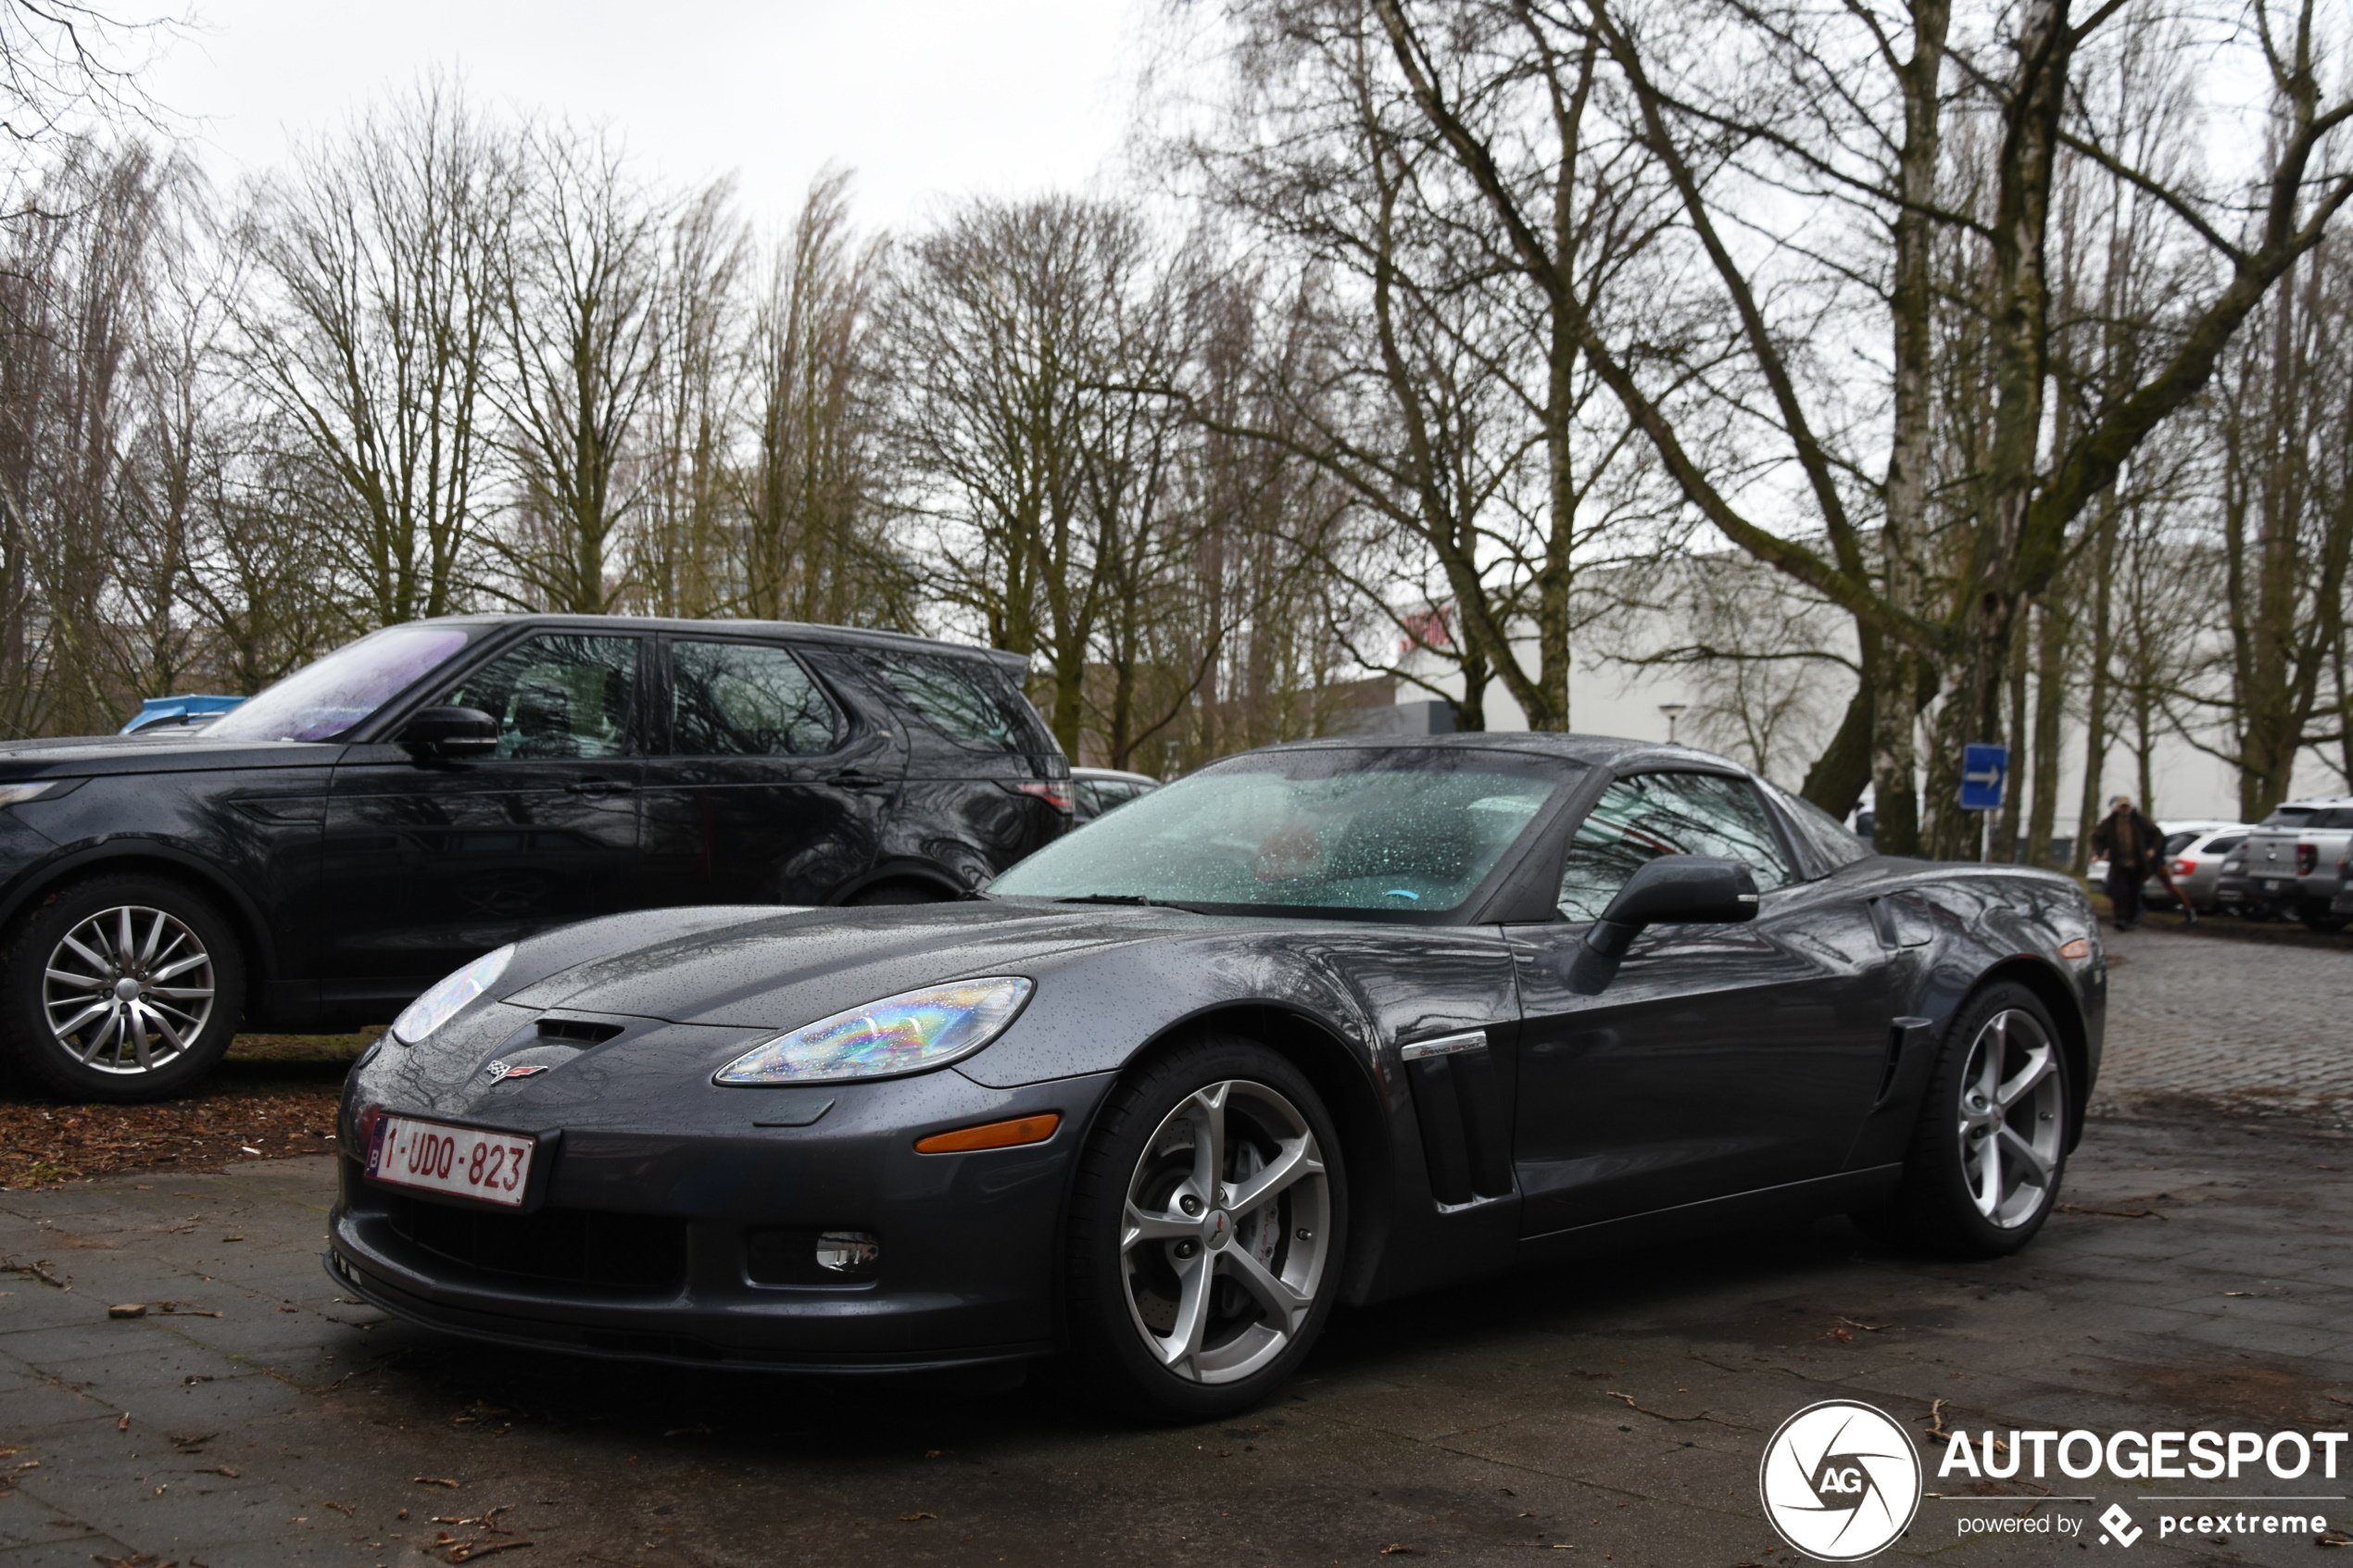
<point>274,1097</point>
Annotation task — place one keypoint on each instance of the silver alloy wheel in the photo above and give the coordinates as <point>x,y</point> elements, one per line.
<point>1226,1231</point>
<point>129,989</point>
<point>2013,1118</point>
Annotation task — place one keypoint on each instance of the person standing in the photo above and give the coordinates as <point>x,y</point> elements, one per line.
<point>2132,844</point>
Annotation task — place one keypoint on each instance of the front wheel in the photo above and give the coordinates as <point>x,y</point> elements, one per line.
<point>1990,1146</point>
<point>1208,1224</point>
<point>120,988</point>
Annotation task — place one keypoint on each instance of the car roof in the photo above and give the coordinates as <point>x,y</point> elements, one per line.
<point>804,630</point>
<point>1612,752</point>
<point>2318,803</point>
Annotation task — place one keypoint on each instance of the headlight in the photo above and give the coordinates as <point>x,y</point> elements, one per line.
<point>18,794</point>
<point>909,1033</point>
<point>439,1004</point>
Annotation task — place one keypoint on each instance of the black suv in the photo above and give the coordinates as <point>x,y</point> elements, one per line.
<point>324,853</point>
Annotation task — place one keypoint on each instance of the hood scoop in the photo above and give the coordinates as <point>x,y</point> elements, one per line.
<point>578,1033</point>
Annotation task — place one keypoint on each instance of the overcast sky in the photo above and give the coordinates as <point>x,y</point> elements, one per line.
<point>921,98</point>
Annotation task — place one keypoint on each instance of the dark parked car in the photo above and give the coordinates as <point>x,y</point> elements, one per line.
<point>1099,790</point>
<point>1333,1021</point>
<point>322,853</point>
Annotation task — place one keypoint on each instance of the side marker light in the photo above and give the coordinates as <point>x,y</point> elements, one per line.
<point>992,1134</point>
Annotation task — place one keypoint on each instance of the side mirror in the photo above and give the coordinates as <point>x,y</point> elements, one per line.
<point>450,733</point>
<point>1670,890</point>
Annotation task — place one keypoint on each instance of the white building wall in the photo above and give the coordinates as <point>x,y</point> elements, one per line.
<point>1611,698</point>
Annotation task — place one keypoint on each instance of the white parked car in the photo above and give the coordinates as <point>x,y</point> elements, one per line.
<point>2195,846</point>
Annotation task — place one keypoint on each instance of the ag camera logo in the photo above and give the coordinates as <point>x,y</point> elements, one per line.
<point>1840,1481</point>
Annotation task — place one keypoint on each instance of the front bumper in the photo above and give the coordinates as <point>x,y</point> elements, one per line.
<point>694,1244</point>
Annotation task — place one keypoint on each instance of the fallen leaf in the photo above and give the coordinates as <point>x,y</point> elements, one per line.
<point>124,1424</point>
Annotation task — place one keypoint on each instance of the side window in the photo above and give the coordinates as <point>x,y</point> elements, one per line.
<point>557,696</point>
<point>746,699</point>
<point>1648,815</point>
<point>961,699</point>
<point>1832,843</point>
<point>2224,846</point>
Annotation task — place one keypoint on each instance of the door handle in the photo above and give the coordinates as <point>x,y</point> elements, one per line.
<point>593,787</point>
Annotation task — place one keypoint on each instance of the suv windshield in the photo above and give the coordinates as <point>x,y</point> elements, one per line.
<point>1412,831</point>
<point>2287,817</point>
<point>322,700</point>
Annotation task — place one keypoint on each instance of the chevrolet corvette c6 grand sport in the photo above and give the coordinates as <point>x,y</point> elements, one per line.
<point>1320,1024</point>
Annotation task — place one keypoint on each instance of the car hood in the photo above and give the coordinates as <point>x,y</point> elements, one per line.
<point>154,751</point>
<point>781,968</point>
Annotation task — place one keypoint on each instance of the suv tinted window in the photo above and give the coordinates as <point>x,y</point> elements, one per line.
<point>557,696</point>
<point>961,698</point>
<point>2335,816</point>
<point>1641,817</point>
<point>2287,817</point>
<point>746,699</point>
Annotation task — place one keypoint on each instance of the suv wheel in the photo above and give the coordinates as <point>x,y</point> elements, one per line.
<point>1208,1225</point>
<point>120,988</point>
<point>1991,1142</point>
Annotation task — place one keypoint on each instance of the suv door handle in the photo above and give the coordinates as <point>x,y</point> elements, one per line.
<point>854,780</point>
<point>599,786</point>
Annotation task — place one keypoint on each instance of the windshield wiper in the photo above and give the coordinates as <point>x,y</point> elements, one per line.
<point>1137,899</point>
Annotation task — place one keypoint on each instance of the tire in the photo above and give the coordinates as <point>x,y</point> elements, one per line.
<point>94,1042</point>
<point>1945,1203</point>
<point>2325,923</point>
<point>1194,1315</point>
<point>895,893</point>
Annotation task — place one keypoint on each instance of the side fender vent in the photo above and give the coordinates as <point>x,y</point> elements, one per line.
<point>1459,1102</point>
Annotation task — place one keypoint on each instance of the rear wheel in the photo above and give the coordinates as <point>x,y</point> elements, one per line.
<point>2323,921</point>
<point>1207,1228</point>
<point>120,988</point>
<point>1990,1144</point>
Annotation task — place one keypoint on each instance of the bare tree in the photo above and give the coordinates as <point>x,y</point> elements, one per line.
<point>368,336</point>
<point>815,545</point>
<point>580,348</point>
<point>679,551</point>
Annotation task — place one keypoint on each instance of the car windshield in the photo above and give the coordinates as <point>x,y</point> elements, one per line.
<point>324,699</point>
<point>1406,831</point>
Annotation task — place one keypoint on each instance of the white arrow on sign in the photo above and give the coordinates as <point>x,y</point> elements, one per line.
<point>1991,776</point>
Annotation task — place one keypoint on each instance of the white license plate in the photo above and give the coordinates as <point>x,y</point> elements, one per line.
<point>494,1167</point>
<point>2273,887</point>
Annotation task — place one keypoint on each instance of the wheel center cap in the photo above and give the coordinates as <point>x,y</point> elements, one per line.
<point>1216,1230</point>
<point>126,989</point>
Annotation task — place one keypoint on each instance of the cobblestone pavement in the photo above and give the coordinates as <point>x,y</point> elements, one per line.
<point>2264,1030</point>
<point>2200,1277</point>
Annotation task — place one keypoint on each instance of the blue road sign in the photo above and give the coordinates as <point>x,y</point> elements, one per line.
<point>1984,770</point>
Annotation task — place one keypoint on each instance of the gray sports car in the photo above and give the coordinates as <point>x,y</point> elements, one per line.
<point>1322,1024</point>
